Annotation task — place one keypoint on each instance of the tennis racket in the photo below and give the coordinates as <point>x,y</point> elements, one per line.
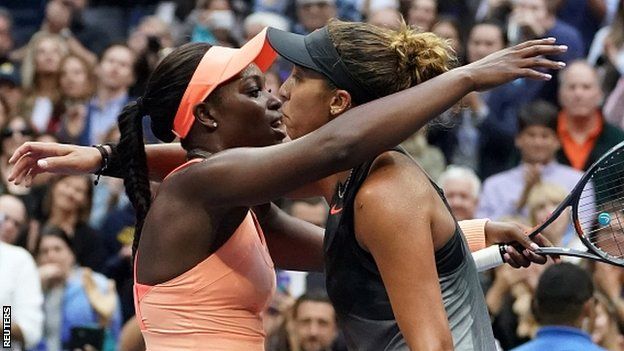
<point>597,209</point>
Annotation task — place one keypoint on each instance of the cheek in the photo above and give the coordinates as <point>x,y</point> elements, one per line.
<point>309,113</point>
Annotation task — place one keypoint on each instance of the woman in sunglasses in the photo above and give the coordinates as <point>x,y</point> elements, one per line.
<point>16,132</point>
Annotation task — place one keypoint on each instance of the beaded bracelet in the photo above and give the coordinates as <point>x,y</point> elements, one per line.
<point>105,160</point>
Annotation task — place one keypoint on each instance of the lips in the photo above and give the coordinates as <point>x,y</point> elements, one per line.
<point>278,128</point>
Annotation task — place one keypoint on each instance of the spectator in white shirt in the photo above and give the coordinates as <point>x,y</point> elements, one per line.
<point>20,288</point>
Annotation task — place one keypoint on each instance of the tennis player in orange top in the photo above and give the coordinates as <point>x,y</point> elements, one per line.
<point>203,273</point>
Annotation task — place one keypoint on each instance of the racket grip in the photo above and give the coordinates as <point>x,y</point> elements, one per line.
<point>488,258</point>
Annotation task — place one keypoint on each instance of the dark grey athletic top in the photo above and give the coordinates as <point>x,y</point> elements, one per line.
<point>362,305</point>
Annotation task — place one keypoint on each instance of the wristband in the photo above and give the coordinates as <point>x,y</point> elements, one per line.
<point>105,160</point>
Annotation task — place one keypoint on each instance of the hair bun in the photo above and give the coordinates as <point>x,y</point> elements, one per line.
<point>421,55</point>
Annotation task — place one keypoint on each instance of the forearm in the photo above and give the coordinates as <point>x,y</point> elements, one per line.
<point>252,176</point>
<point>293,243</point>
<point>161,160</point>
<point>400,115</point>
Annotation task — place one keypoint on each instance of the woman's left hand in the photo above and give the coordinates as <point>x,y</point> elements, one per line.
<point>520,249</point>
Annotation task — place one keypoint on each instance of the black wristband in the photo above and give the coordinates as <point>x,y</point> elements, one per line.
<point>105,160</point>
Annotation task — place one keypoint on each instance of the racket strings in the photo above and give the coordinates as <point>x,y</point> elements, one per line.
<point>605,197</point>
<point>614,178</point>
<point>593,193</point>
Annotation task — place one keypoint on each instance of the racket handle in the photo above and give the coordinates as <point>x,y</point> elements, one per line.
<point>488,258</point>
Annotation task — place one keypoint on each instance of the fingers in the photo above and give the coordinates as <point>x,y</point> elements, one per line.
<point>21,151</point>
<point>22,166</point>
<point>522,239</point>
<point>509,261</point>
<point>542,50</point>
<point>517,257</point>
<point>40,149</point>
<point>543,241</point>
<point>529,43</point>
<point>541,62</point>
<point>528,246</point>
<point>534,74</point>
<point>55,164</point>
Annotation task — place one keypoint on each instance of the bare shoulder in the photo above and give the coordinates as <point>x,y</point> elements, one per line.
<point>392,177</point>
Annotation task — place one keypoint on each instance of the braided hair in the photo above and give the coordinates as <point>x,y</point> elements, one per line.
<point>163,94</point>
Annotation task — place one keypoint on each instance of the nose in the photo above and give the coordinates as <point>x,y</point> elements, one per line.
<point>313,329</point>
<point>284,90</point>
<point>273,103</point>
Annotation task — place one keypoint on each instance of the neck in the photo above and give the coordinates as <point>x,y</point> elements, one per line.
<point>46,85</point>
<point>106,94</point>
<point>65,220</point>
<point>198,153</point>
<point>537,163</point>
<point>327,186</point>
<point>579,127</point>
<point>581,124</point>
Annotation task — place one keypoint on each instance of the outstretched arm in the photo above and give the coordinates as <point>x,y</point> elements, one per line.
<point>33,158</point>
<point>250,176</point>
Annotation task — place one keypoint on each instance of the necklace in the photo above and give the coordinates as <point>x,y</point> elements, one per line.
<point>343,187</point>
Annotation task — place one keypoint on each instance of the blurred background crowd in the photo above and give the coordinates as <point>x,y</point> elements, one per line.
<point>67,67</point>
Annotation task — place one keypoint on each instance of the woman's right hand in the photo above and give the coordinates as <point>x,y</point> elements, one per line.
<point>50,275</point>
<point>33,158</point>
<point>519,61</point>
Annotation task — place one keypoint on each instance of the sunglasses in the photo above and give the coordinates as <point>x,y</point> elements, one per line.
<point>9,132</point>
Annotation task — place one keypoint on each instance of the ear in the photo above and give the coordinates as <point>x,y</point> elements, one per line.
<point>204,114</point>
<point>517,140</point>
<point>340,102</point>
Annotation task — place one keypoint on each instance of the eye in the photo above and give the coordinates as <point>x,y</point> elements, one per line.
<point>255,92</point>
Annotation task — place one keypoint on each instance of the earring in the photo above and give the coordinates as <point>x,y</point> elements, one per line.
<point>214,124</point>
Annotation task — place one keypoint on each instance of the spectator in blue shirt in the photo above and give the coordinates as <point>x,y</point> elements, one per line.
<point>537,19</point>
<point>563,300</point>
<point>115,74</point>
<point>74,296</point>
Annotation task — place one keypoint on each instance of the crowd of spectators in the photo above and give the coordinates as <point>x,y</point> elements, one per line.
<point>67,68</point>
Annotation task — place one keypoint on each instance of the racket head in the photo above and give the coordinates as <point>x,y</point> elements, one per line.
<point>598,205</point>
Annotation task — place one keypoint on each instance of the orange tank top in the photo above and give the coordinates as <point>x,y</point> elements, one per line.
<point>215,305</point>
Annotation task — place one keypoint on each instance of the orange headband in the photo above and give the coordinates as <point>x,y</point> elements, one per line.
<point>218,65</point>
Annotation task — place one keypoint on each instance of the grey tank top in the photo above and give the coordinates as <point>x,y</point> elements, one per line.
<point>362,305</point>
